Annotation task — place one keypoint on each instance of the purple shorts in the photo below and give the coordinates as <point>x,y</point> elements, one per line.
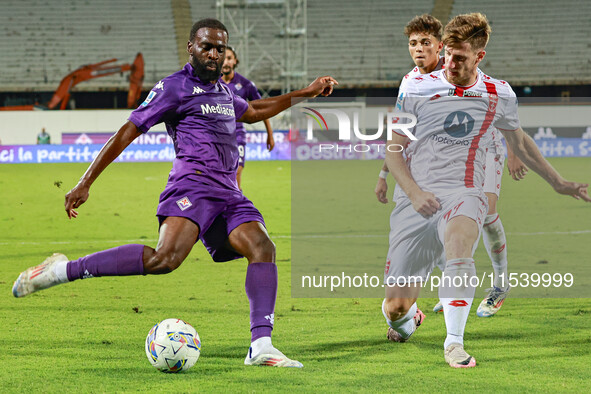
<point>215,209</point>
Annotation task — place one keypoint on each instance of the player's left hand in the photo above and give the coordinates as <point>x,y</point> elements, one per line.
<point>516,167</point>
<point>322,86</point>
<point>574,189</point>
<point>270,142</point>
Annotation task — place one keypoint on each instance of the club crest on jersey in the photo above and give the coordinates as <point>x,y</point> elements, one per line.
<point>492,102</point>
<point>184,203</point>
<point>238,86</point>
<point>197,90</point>
<point>150,97</point>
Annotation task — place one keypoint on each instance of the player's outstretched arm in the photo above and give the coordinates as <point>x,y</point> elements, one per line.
<point>382,186</point>
<point>266,108</point>
<point>526,149</point>
<point>516,168</point>
<point>423,202</point>
<point>109,152</point>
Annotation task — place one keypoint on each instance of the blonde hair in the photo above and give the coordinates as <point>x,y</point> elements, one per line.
<point>471,28</point>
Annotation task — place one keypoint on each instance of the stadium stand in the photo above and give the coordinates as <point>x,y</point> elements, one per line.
<point>357,44</point>
<point>48,39</point>
<point>361,44</point>
<point>536,43</point>
<point>366,45</point>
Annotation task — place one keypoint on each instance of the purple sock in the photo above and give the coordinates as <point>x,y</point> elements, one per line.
<point>261,290</point>
<point>121,261</point>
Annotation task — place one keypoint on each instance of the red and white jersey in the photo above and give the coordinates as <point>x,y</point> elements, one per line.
<point>496,146</point>
<point>454,128</point>
<point>415,72</point>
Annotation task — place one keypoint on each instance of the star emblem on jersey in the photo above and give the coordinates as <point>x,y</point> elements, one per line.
<point>184,203</point>
<point>159,85</point>
<point>197,90</point>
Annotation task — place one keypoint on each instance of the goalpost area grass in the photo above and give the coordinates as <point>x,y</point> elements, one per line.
<point>88,336</point>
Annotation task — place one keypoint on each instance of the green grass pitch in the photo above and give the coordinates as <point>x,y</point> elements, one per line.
<point>88,336</point>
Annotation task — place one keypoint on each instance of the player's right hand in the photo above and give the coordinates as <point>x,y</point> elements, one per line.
<point>425,203</point>
<point>381,190</point>
<point>74,198</point>
<point>321,86</point>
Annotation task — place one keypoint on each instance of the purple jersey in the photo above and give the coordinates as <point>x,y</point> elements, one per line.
<point>200,117</point>
<point>246,89</point>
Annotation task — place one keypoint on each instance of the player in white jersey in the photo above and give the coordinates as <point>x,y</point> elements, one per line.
<point>441,206</point>
<point>424,45</point>
<point>493,234</point>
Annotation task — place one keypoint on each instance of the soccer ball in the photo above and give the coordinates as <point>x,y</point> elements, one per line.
<point>173,345</point>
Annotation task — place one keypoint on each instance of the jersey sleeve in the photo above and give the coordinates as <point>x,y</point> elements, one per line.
<point>402,85</point>
<point>253,93</point>
<point>240,106</point>
<point>509,119</point>
<point>408,97</point>
<point>406,104</point>
<point>160,104</point>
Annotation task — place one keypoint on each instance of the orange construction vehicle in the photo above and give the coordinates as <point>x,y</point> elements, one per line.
<point>90,71</point>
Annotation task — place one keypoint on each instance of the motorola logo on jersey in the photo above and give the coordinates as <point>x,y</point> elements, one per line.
<point>458,124</point>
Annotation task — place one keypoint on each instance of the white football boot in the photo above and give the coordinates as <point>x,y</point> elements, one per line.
<point>271,357</point>
<point>39,277</point>
<point>456,357</point>
<point>438,307</point>
<point>492,302</point>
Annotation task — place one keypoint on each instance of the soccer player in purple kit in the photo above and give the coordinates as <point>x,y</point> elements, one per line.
<point>201,199</point>
<point>246,89</point>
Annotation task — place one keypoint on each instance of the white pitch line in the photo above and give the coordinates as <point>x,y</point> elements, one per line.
<point>309,236</point>
<point>554,233</point>
<point>116,241</point>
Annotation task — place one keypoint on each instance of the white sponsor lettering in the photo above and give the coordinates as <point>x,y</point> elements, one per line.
<point>218,109</point>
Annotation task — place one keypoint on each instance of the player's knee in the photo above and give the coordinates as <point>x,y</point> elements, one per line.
<point>162,263</point>
<point>264,250</point>
<point>458,245</point>
<point>492,203</point>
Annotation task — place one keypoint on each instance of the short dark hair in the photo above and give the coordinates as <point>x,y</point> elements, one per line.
<point>424,24</point>
<point>235,55</point>
<point>207,22</point>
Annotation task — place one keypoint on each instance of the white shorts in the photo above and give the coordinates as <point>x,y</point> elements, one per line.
<point>493,172</point>
<point>416,242</point>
